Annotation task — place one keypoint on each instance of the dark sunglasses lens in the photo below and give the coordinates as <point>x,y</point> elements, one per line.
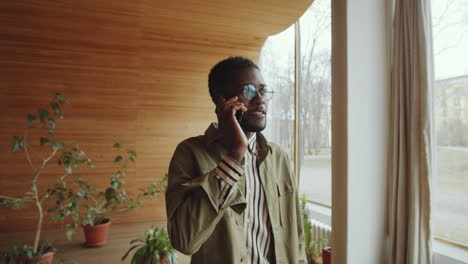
<point>249,92</point>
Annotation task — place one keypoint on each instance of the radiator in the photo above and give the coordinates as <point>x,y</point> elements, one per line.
<point>321,233</point>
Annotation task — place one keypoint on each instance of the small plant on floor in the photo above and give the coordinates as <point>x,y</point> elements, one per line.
<point>312,246</point>
<point>154,248</point>
<point>93,209</point>
<point>42,148</point>
<point>24,253</point>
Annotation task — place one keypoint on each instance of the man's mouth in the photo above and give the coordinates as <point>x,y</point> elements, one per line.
<point>257,113</point>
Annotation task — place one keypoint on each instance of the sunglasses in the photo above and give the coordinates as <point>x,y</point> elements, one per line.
<point>250,92</point>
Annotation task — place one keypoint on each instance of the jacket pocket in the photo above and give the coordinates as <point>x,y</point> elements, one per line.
<point>285,194</point>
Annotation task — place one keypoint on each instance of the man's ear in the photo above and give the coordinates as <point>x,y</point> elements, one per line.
<point>215,98</point>
<point>218,98</point>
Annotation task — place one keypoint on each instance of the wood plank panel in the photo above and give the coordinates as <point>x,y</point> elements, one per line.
<point>135,71</point>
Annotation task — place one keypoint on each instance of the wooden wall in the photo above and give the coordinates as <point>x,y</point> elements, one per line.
<point>135,72</point>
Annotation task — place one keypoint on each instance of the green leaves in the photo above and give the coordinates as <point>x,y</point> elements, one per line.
<point>57,110</point>
<point>115,182</point>
<point>43,115</point>
<point>26,251</point>
<point>118,158</point>
<point>155,244</point>
<point>117,145</point>
<point>110,194</point>
<point>70,233</point>
<point>69,169</point>
<point>130,250</point>
<point>16,203</point>
<point>61,98</point>
<point>131,156</point>
<point>31,119</point>
<point>5,203</point>
<point>17,144</point>
<point>59,197</point>
<point>72,158</point>
<point>51,122</point>
<point>43,141</point>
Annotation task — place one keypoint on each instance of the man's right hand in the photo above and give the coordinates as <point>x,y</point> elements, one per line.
<point>230,127</point>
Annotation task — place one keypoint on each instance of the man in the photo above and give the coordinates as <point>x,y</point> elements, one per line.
<point>231,195</point>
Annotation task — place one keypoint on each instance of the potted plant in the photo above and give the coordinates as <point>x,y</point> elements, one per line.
<point>40,154</point>
<point>326,255</point>
<point>312,246</point>
<point>24,254</point>
<point>154,248</point>
<point>84,205</point>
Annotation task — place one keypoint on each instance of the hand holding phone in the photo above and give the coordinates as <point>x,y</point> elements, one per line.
<point>230,114</point>
<point>239,116</point>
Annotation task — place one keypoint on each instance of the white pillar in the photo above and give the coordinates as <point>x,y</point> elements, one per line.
<point>359,149</point>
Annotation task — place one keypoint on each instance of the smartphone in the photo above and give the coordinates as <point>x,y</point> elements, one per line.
<point>239,116</point>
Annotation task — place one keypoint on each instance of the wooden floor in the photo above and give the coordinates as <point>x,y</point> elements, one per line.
<point>119,237</point>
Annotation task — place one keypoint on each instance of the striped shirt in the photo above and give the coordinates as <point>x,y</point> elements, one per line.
<point>256,221</point>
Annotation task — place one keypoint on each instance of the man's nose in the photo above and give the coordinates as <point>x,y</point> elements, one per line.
<point>258,99</point>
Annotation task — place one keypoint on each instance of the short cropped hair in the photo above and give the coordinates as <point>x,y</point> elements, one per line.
<point>220,73</point>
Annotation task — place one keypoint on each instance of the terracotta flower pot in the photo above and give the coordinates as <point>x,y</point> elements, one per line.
<point>96,236</point>
<point>161,261</point>
<point>326,255</point>
<point>47,258</point>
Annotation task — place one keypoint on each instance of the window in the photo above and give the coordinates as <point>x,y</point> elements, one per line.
<point>315,103</point>
<point>450,183</point>
<point>277,65</point>
<point>277,61</point>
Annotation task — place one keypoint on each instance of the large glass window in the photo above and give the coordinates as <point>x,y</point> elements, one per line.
<point>315,103</point>
<point>450,37</point>
<point>277,65</point>
<point>277,61</point>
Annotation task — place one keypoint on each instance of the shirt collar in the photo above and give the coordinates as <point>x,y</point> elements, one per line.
<point>251,143</point>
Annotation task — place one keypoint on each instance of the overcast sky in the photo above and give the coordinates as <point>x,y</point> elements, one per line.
<point>450,18</point>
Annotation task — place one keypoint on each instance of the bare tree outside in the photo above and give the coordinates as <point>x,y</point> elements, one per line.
<point>450,188</point>
<point>277,64</point>
<point>315,102</point>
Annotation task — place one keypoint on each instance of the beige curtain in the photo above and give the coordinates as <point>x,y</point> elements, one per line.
<point>410,136</point>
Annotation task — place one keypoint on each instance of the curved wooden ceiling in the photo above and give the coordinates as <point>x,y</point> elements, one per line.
<point>246,22</point>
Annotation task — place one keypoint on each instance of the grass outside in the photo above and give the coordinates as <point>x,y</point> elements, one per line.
<point>452,173</point>
<point>450,187</point>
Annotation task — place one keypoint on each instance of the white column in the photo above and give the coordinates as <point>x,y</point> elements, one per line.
<point>360,85</point>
